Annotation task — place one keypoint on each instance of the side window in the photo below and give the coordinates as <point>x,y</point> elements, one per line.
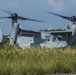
<point>54,38</point>
<point>59,38</point>
<point>48,39</point>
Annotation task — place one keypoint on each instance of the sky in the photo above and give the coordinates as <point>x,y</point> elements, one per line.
<point>37,9</point>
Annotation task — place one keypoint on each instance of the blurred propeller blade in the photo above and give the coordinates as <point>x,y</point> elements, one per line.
<point>15,16</point>
<point>8,12</point>
<point>65,17</point>
<point>22,18</point>
<point>5,17</point>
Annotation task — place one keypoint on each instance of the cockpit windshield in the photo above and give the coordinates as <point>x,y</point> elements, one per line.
<point>60,38</point>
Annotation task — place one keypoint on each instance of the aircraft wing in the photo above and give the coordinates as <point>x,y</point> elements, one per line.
<point>29,33</point>
<point>61,32</point>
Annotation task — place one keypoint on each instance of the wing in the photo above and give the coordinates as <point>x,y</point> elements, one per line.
<point>29,33</point>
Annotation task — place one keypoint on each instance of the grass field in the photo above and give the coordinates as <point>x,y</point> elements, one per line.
<point>37,61</point>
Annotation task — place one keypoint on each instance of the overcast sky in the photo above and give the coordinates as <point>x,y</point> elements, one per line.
<point>36,9</point>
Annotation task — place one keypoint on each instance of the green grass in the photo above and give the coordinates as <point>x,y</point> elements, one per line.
<point>36,61</point>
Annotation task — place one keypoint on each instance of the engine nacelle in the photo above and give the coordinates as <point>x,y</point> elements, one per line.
<point>14,33</point>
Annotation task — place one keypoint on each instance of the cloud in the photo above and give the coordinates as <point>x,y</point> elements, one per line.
<point>56,5</point>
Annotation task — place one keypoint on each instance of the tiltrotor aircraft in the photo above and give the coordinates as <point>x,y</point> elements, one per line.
<point>15,27</point>
<point>52,38</point>
<point>27,38</point>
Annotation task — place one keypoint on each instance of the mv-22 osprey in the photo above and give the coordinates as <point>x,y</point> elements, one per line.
<point>50,39</point>
<point>26,38</point>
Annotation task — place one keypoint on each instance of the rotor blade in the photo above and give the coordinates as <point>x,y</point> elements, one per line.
<point>22,18</point>
<point>7,11</point>
<point>65,17</point>
<point>5,17</point>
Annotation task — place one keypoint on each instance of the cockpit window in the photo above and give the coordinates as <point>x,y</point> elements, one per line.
<point>54,38</point>
<point>60,38</point>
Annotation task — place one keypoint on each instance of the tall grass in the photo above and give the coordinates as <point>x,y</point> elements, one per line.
<point>36,61</point>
